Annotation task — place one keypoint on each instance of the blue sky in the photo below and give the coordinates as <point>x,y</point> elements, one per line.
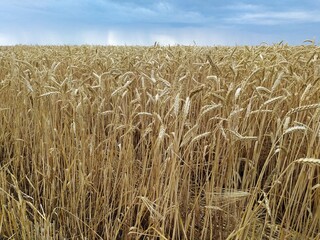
<point>187,22</point>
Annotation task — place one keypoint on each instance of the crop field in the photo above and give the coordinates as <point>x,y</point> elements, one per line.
<point>175,142</point>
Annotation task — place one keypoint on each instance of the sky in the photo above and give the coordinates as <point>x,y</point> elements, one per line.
<point>138,22</point>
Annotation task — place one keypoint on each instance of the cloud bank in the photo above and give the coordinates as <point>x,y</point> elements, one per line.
<point>128,22</point>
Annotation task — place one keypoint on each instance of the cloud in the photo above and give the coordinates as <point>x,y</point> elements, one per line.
<point>140,22</point>
<point>7,40</point>
<point>163,6</point>
<point>122,36</point>
<point>276,17</point>
<point>98,13</point>
<point>242,7</point>
<point>142,36</point>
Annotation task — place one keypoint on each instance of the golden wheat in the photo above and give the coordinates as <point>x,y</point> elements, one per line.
<point>156,142</point>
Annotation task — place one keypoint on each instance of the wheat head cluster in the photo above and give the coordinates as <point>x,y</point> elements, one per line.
<point>160,142</point>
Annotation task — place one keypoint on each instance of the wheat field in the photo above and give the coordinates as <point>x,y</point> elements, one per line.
<point>175,142</point>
